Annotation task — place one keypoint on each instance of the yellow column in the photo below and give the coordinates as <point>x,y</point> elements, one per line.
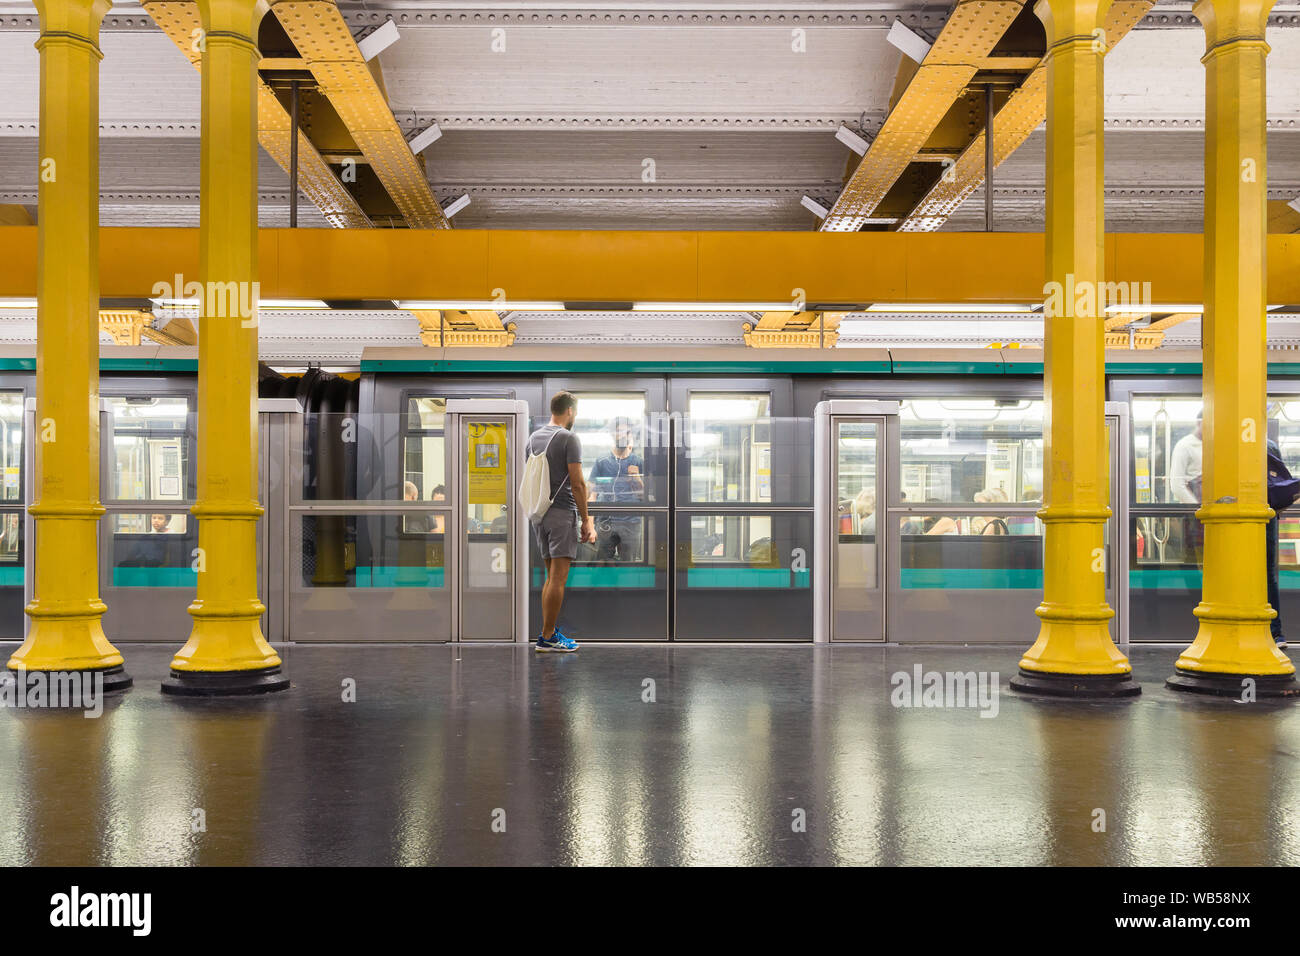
<point>1233,642</point>
<point>1074,654</point>
<point>66,633</point>
<point>226,652</point>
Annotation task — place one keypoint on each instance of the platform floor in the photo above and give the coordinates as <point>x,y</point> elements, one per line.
<point>441,742</point>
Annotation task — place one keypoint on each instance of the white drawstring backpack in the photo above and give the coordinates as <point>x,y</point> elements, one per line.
<point>535,486</point>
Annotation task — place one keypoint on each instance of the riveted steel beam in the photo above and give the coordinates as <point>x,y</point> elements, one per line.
<point>324,40</point>
<point>1022,113</point>
<point>179,20</point>
<point>966,41</point>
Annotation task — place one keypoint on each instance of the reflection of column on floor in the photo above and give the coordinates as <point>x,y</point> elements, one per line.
<point>66,788</point>
<point>1233,638</point>
<point>66,630</point>
<point>225,753</point>
<point>1089,818</point>
<point>1074,637</point>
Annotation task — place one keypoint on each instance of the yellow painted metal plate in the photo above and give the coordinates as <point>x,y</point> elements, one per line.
<point>181,23</point>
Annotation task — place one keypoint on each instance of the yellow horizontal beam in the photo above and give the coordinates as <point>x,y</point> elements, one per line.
<point>617,266</point>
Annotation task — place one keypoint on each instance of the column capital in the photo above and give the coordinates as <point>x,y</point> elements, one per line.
<point>233,17</point>
<point>79,18</point>
<point>1228,20</point>
<point>1065,19</point>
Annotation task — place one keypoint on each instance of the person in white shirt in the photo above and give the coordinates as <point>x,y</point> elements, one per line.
<point>1185,468</point>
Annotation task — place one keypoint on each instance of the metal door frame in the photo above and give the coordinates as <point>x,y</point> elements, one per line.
<point>458,412</point>
<point>826,416</point>
<point>1117,415</point>
<point>278,421</point>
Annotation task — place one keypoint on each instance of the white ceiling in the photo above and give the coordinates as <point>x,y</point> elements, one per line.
<point>555,131</point>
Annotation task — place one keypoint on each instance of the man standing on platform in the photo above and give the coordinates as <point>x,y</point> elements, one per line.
<point>567,520</point>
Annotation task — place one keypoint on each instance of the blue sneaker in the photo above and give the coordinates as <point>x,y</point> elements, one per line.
<point>558,644</point>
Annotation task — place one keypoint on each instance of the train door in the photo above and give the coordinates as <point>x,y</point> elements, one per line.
<point>849,492</point>
<point>15,523</point>
<point>147,537</point>
<point>1117,527</point>
<point>433,546</point>
<point>742,511</point>
<point>618,587</point>
<point>487,524</point>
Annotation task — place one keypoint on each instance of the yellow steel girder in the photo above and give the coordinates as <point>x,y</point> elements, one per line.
<point>973,28</point>
<point>750,269</point>
<point>1023,113</point>
<point>179,19</point>
<point>474,328</point>
<point>781,330</point>
<point>323,38</point>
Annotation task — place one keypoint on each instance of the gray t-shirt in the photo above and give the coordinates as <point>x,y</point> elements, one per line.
<point>565,450</point>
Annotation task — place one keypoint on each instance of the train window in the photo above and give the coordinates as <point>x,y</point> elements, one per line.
<point>1167,540</point>
<point>424,462</point>
<point>732,539</point>
<point>971,450</point>
<point>612,428</point>
<point>1167,449</point>
<point>960,551</point>
<point>11,445</point>
<point>731,447</point>
<point>150,461</point>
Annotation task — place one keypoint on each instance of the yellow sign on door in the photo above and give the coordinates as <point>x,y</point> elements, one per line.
<point>487,464</point>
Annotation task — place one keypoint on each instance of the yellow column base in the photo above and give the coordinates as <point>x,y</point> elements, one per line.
<point>1074,655</point>
<point>66,639</point>
<point>66,632</point>
<point>226,653</point>
<point>1234,637</point>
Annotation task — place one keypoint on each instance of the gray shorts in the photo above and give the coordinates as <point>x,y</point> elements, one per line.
<point>557,533</point>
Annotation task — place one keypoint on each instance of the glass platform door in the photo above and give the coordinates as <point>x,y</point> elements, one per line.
<point>489,527</point>
<point>857,553</point>
<point>1116,540</point>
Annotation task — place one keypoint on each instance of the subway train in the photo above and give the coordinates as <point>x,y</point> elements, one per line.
<point>769,495</point>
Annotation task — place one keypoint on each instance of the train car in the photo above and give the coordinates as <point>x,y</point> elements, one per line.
<point>769,495</point>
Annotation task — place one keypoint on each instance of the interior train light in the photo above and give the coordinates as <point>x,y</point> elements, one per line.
<point>17,303</point>
<point>947,308</point>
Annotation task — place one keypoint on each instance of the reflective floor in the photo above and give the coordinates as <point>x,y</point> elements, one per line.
<point>753,755</point>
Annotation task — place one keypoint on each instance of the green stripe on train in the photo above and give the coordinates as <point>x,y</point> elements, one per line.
<point>392,576</point>
<point>839,364</point>
<point>586,577</point>
<point>988,579</point>
<point>155,578</point>
<point>1189,579</point>
<point>746,578</point>
<point>113,365</point>
<point>11,577</point>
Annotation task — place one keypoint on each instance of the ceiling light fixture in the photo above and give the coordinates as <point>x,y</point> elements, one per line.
<point>477,305</point>
<point>947,308</point>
